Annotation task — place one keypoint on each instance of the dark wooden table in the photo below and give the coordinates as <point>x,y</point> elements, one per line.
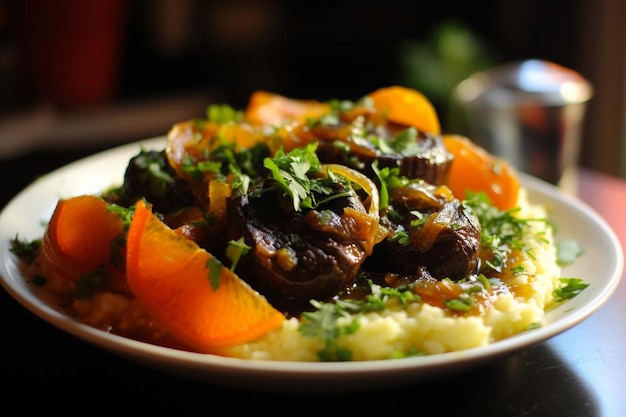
<point>581,372</point>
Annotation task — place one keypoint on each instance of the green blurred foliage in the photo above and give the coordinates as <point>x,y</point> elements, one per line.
<point>435,67</point>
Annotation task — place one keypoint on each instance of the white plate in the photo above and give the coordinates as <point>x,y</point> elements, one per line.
<point>601,266</point>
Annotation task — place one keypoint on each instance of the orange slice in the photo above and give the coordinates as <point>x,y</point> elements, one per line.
<point>79,236</point>
<point>408,107</point>
<point>475,169</point>
<point>173,278</point>
<point>219,192</point>
<point>265,108</point>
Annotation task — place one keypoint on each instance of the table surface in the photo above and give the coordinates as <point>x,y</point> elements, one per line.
<point>581,372</point>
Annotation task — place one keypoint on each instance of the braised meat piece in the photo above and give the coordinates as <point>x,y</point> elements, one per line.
<point>431,234</point>
<point>298,256</point>
<point>418,155</point>
<point>148,175</point>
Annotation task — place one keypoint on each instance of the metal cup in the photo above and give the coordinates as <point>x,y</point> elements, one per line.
<point>528,112</point>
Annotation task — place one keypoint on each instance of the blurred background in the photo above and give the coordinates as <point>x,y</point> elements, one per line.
<point>84,75</point>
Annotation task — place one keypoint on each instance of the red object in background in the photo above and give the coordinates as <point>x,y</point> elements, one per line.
<point>69,51</point>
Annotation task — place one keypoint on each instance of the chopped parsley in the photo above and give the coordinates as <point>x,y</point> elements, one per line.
<point>405,143</point>
<point>573,287</point>
<point>388,178</point>
<point>401,236</point>
<point>215,271</point>
<point>235,250</point>
<point>383,192</point>
<point>223,113</point>
<point>126,214</point>
<point>501,230</point>
<point>119,242</point>
<point>396,354</point>
<point>197,169</point>
<point>568,251</point>
<point>463,303</point>
<point>532,326</point>
<point>87,284</point>
<point>23,249</point>
<point>299,174</point>
<point>325,322</point>
<point>420,219</point>
<point>225,160</point>
<point>154,172</point>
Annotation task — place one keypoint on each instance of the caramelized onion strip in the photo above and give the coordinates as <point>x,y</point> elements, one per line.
<point>370,189</point>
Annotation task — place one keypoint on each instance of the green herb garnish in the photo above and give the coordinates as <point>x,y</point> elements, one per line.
<point>501,231</point>
<point>154,172</point>
<point>215,271</point>
<point>299,174</point>
<point>223,113</point>
<point>568,251</point>
<point>23,249</point>
<point>460,304</point>
<point>323,323</point>
<point>87,284</point>
<point>235,250</point>
<point>573,287</point>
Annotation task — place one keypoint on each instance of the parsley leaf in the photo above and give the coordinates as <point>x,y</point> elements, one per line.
<point>153,172</point>
<point>87,284</point>
<point>24,249</point>
<point>290,172</point>
<point>235,250</point>
<point>573,287</point>
<point>215,271</point>
<point>568,251</point>
<point>223,113</point>
<point>299,174</point>
<point>324,323</point>
<point>501,231</point>
<point>460,304</point>
<point>388,178</point>
<point>406,143</point>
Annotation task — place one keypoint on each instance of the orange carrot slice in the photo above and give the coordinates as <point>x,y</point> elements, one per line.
<point>175,281</point>
<point>78,238</point>
<point>408,107</point>
<point>475,169</point>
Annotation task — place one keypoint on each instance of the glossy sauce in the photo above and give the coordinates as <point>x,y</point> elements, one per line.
<point>437,293</point>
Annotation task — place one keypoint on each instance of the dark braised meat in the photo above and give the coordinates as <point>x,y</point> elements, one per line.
<point>299,256</point>
<point>149,175</point>
<point>418,155</point>
<point>432,235</point>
